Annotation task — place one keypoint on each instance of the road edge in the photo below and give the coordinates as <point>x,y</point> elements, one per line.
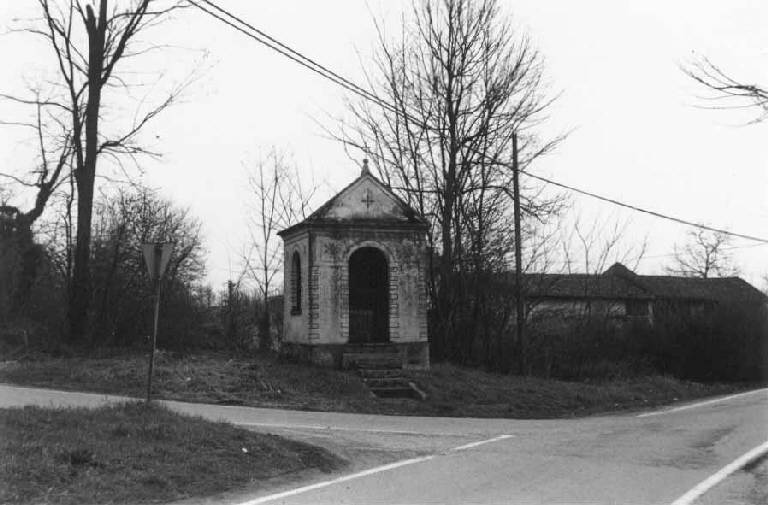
<point>719,476</point>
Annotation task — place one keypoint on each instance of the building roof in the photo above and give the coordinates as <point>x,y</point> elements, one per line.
<point>717,289</point>
<point>620,283</point>
<point>714,289</point>
<point>582,286</point>
<point>383,209</point>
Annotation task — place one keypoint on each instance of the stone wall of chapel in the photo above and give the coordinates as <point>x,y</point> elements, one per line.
<point>329,297</point>
<point>296,326</point>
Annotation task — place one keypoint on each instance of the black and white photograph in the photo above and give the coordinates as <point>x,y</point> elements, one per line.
<point>383,252</point>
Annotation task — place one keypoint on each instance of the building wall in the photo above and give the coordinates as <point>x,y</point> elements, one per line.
<point>406,261</point>
<point>574,308</point>
<point>571,308</point>
<point>296,326</point>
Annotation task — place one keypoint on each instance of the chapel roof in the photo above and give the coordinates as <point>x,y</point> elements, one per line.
<point>383,208</point>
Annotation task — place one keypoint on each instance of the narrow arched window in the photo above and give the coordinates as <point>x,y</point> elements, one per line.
<point>296,284</point>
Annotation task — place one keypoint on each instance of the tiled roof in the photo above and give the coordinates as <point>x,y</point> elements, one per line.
<point>620,283</point>
<point>719,289</point>
<point>582,286</point>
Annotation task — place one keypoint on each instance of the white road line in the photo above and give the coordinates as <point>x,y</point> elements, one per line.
<point>724,472</point>
<point>327,483</point>
<point>370,471</point>
<point>482,442</point>
<point>701,404</point>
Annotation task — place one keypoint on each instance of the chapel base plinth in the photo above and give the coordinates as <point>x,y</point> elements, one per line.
<point>410,355</point>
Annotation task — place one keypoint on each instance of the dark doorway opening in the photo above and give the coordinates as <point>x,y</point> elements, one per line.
<point>368,296</point>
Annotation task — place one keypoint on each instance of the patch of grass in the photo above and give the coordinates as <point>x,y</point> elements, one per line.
<point>135,453</point>
<point>266,381</point>
<point>460,391</point>
<point>203,377</point>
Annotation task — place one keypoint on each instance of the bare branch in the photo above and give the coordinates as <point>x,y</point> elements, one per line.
<point>704,255</point>
<point>723,87</point>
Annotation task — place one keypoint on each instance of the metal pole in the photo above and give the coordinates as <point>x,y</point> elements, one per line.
<point>519,308</point>
<point>158,255</point>
<point>154,342</point>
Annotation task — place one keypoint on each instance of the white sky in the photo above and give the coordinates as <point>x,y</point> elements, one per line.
<point>638,136</point>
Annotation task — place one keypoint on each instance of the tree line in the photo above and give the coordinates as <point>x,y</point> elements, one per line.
<point>458,82</point>
<point>74,122</point>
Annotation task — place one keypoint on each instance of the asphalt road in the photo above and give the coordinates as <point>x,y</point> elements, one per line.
<point>623,459</point>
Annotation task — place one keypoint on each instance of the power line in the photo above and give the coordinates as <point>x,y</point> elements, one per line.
<point>261,41</point>
<point>288,52</point>
<point>324,71</point>
<point>646,211</point>
<point>731,248</point>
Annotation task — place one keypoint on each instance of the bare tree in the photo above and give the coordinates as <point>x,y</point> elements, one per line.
<point>54,158</point>
<point>280,200</point>
<point>575,259</point>
<point>705,255</point>
<point>88,44</point>
<point>51,169</point>
<point>456,85</point>
<point>592,248</point>
<point>726,92</point>
<point>121,293</point>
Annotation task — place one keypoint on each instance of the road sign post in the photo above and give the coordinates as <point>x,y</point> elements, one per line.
<point>156,256</point>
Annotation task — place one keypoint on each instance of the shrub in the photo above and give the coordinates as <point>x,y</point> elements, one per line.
<point>728,342</point>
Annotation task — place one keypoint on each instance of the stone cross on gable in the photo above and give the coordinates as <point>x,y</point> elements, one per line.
<point>368,200</point>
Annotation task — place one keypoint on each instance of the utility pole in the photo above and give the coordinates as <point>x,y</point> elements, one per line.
<point>519,307</point>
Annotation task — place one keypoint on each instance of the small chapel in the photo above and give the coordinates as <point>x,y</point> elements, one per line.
<point>354,279</point>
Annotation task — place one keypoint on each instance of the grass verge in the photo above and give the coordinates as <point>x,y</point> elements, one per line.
<point>136,453</point>
<point>265,381</point>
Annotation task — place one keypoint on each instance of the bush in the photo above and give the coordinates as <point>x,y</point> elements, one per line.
<point>728,342</point>
<point>32,293</point>
<point>587,347</point>
<point>35,276</point>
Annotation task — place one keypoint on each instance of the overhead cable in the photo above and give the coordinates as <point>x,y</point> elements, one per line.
<point>283,49</point>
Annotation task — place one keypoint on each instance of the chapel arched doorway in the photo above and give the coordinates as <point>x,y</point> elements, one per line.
<point>368,296</point>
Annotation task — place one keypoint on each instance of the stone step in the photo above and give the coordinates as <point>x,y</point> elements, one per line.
<point>372,348</point>
<point>371,360</point>
<point>395,392</point>
<point>378,364</point>
<point>375,373</point>
<point>389,382</point>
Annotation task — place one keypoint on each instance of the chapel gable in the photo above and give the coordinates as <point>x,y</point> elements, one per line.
<point>366,199</point>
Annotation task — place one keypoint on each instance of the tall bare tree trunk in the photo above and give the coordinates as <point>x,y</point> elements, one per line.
<point>461,80</point>
<point>85,176</point>
<point>72,112</point>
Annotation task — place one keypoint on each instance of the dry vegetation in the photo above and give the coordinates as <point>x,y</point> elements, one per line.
<point>137,453</point>
<point>265,381</point>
